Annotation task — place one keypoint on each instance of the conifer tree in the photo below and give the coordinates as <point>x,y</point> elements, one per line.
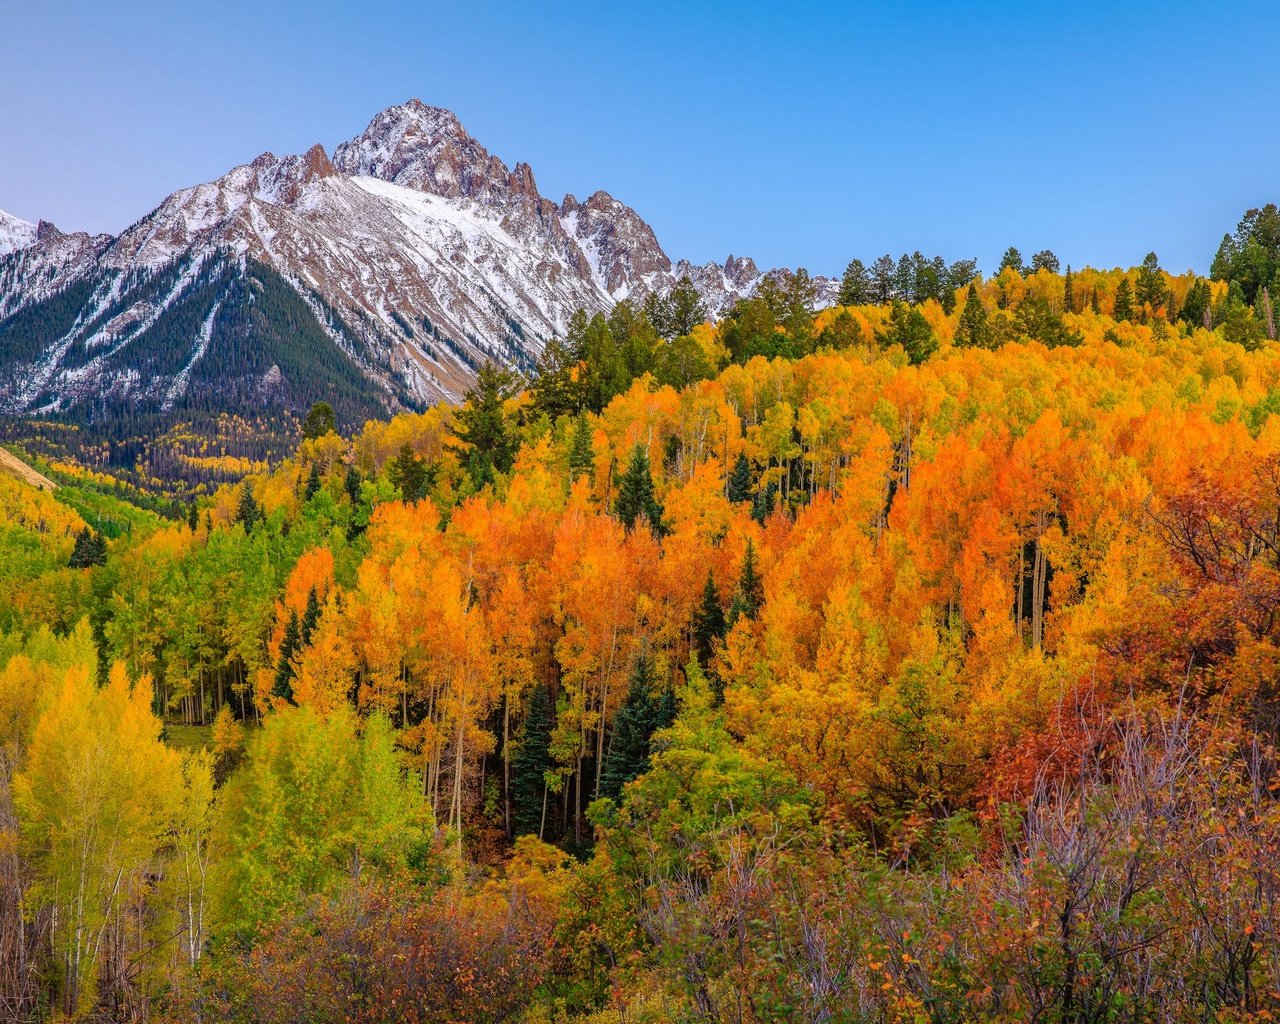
<point>408,474</point>
<point>313,482</point>
<point>708,622</point>
<point>310,616</point>
<point>320,421</point>
<point>1045,260</point>
<point>972,330</point>
<point>1011,260</point>
<point>248,511</point>
<point>289,647</point>
<point>529,765</point>
<point>634,724</point>
<point>90,549</point>
<point>765,500</point>
<point>1069,292</point>
<point>1123,309</point>
<point>193,515</point>
<point>749,597</point>
<point>856,288</point>
<point>481,425</point>
<point>582,454</point>
<point>636,497</point>
<point>1095,306</point>
<point>1150,288</point>
<point>351,485</point>
<point>739,488</point>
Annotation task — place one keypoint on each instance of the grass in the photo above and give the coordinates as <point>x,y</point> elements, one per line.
<point>188,737</point>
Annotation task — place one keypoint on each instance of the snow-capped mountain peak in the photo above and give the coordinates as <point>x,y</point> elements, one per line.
<point>413,253</point>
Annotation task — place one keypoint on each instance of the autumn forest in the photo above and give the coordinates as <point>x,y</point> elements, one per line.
<point>911,659</point>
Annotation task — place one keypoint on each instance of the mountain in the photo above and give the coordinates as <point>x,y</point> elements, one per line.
<point>379,277</point>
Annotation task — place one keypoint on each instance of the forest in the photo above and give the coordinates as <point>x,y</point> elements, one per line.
<point>914,659</point>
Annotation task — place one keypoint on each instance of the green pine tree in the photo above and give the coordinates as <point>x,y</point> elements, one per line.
<point>1069,292</point>
<point>248,511</point>
<point>765,501</point>
<point>90,549</point>
<point>193,515</point>
<point>313,482</point>
<point>972,330</point>
<point>351,485</point>
<point>408,473</point>
<point>708,622</point>
<point>1150,287</point>
<point>633,726</point>
<point>749,598</point>
<point>310,616</point>
<point>582,454</point>
<point>529,766</point>
<point>320,421</point>
<point>1123,309</point>
<point>636,498</point>
<point>482,427</point>
<point>856,285</point>
<point>289,647</point>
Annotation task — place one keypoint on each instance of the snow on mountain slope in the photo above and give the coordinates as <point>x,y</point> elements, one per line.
<point>415,252</point>
<point>14,233</point>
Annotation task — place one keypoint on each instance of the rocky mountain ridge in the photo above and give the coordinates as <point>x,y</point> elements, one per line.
<point>405,259</point>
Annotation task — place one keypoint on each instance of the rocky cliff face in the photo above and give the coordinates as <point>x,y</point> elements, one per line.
<point>414,252</point>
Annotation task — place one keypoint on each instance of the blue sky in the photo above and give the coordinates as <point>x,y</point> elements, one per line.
<point>802,134</point>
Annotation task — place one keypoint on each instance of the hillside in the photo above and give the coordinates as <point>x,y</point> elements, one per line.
<point>849,645</point>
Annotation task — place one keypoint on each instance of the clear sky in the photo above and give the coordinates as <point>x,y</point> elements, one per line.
<point>802,134</point>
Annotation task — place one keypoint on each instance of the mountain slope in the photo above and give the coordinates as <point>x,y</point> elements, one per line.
<point>393,270</point>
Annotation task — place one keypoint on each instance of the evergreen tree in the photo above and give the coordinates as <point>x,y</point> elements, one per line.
<point>972,330</point>
<point>882,279</point>
<point>708,622</point>
<point>636,498</point>
<point>686,308</point>
<point>529,766</point>
<point>1251,257</point>
<point>248,511</point>
<point>1150,287</point>
<point>1123,308</point>
<point>289,647</point>
<point>320,421</point>
<point>749,598</point>
<point>193,515</point>
<point>310,616</point>
<point>765,501</point>
<point>351,485</point>
<point>313,482</point>
<point>739,488</point>
<point>908,327</point>
<point>856,288</point>
<point>90,549</point>
<point>1011,260</point>
<point>842,331</point>
<point>408,473</point>
<point>482,426</point>
<point>1045,260</point>
<point>554,391</point>
<point>628,755</point>
<point>582,454</point>
<point>1069,292</point>
<point>1095,306</point>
